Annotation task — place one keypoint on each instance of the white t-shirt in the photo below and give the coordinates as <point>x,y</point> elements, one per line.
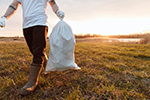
<point>34,12</point>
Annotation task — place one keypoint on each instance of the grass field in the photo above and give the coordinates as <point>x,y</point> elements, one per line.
<point>110,71</point>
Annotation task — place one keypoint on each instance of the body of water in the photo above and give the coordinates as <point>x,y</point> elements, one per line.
<point>105,39</point>
<point>125,39</point>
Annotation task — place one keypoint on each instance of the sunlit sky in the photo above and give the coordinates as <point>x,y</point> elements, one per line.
<point>105,17</point>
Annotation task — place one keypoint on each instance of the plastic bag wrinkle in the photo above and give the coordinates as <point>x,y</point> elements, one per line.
<point>62,43</point>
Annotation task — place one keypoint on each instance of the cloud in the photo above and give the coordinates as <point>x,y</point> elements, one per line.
<point>83,10</point>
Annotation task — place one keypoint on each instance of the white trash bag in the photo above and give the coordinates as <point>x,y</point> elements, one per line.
<point>61,54</point>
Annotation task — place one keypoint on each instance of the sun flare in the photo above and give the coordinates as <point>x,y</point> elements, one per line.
<point>111,26</point>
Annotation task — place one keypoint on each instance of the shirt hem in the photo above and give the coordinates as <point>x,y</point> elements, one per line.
<point>35,25</point>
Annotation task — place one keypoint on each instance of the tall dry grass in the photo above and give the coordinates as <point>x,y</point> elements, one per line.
<point>110,71</point>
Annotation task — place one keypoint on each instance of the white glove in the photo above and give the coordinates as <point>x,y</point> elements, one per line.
<point>60,14</point>
<point>3,21</point>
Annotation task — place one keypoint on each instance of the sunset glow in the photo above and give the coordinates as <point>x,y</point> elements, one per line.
<point>105,17</point>
<point>111,26</point>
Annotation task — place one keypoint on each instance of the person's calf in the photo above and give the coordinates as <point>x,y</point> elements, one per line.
<point>45,59</point>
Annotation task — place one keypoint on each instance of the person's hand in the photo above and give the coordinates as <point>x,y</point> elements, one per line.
<point>60,14</point>
<point>3,21</point>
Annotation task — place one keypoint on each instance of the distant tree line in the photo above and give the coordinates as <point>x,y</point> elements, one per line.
<point>87,35</point>
<point>141,35</point>
<point>136,35</point>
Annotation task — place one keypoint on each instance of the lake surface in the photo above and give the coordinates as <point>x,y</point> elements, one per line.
<point>105,39</point>
<point>125,39</point>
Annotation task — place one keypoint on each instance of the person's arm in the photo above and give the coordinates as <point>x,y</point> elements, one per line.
<point>53,6</point>
<point>10,11</point>
<point>56,10</point>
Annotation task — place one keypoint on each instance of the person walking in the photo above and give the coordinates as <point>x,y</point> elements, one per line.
<point>35,29</point>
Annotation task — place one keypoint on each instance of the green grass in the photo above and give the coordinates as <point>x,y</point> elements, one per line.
<point>117,71</point>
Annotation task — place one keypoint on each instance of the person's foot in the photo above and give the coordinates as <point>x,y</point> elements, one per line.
<point>32,83</point>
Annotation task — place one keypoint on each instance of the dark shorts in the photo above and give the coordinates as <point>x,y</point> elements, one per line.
<point>36,39</point>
